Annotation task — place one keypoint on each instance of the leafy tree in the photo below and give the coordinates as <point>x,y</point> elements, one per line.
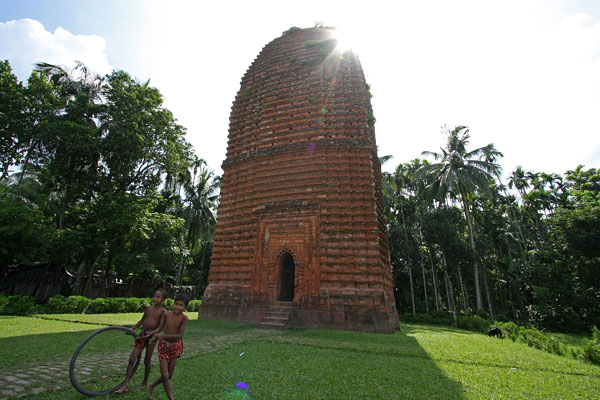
<point>461,172</point>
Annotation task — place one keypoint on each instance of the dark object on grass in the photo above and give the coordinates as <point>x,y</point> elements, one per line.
<point>72,369</point>
<point>495,331</point>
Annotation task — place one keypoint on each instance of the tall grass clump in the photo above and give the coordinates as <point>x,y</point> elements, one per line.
<point>532,337</point>
<point>590,352</point>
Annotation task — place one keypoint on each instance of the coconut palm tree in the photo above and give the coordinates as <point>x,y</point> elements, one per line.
<point>461,172</point>
<point>201,197</point>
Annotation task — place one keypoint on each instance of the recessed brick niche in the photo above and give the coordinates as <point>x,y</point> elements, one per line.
<point>300,224</point>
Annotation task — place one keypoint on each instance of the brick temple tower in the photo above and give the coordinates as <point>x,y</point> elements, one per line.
<point>301,239</point>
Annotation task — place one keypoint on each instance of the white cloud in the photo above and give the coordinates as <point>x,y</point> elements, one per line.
<point>24,42</point>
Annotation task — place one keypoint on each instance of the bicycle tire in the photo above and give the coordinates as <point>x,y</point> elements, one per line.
<point>72,376</point>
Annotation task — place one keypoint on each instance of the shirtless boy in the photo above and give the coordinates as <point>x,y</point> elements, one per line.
<point>151,323</point>
<point>170,346</point>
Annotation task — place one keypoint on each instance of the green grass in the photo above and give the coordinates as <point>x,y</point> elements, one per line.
<point>418,362</point>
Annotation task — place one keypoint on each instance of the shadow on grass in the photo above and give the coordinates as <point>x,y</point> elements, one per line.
<point>319,364</point>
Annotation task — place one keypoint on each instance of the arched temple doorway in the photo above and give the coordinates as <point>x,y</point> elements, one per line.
<point>288,272</point>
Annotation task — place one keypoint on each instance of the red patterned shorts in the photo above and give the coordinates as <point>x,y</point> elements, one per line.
<point>168,351</point>
<point>140,341</point>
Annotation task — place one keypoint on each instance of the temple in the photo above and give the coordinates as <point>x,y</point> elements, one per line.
<point>301,239</point>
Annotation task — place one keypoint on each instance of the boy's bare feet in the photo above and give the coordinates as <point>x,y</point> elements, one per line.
<point>150,389</point>
<point>123,389</point>
<point>142,385</point>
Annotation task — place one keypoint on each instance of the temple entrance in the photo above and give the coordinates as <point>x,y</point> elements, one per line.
<point>288,272</point>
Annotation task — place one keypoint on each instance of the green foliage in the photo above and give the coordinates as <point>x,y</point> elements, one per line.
<point>473,323</point>
<point>76,304</point>
<point>509,329</point>
<point>371,119</point>
<point>17,305</point>
<point>590,352</point>
<point>532,337</point>
<point>246,92</point>
<point>98,306</point>
<point>291,30</point>
<point>194,305</point>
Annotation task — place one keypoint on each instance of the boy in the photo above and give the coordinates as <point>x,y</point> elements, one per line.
<point>170,346</point>
<point>151,322</point>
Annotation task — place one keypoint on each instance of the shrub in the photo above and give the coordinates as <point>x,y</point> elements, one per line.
<point>3,303</point>
<point>56,305</point>
<point>117,304</point>
<point>133,304</point>
<point>591,349</point>
<point>98,306</point>
<point>474,324</point>
<point>194,305</point>
<point>532,337</point>
<point>19,305</point>
<point>168,304</point>
<point>76,304</point>
<point>509,329</point>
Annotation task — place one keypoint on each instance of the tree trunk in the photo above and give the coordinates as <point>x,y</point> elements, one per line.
<point>434,278</point>
<point>488,293</point>
<point>90,278</point>
<point>180,272</point>
<point>424,285</point>
<point>78,285</point>
<point>423,271</point>
<point>463,292</point>
<point>109,262</point>
<point>449,290</point>
<point>478,298</point>
<point>412,290</point>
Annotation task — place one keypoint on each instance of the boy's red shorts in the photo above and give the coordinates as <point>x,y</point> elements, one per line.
<point>140,341</point>
<point>168,351</point>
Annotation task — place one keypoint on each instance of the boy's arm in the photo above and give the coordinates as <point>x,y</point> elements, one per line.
<point>177,335</point>
<point>140,322</point>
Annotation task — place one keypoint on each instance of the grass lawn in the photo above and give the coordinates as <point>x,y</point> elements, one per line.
<point>418,362</point>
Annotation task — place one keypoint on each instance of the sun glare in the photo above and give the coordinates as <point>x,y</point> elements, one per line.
<point>349,40</point>
<point>344,42</point>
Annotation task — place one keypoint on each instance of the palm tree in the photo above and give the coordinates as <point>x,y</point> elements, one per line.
<point>201,197</point>
<point>79,80</point>
<point>462,172</point>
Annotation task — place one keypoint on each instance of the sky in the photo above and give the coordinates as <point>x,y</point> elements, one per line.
<point>523,75</point>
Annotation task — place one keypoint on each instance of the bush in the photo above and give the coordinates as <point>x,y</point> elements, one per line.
<point>434,318</point>
<point>168,304</point>
<point>532,337</point>
<point>59,304</point>
<point>117,304</point>
<point>18,305</point>
<point>194,305</point>
<point>474,324</point>
<point>133,304</point>
<point>76,304</point>
<point>3,303</point>
<point>591,349</point>
<point>56,305</point>
<point>509,329</point>
<point>98,306</point>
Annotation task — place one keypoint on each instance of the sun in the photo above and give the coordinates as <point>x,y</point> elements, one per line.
<point>352,38</point>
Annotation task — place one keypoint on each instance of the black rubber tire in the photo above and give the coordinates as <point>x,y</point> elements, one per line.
<point>74,381</point>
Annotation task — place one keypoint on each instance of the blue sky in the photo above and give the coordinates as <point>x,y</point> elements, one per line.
<point>524,75</point>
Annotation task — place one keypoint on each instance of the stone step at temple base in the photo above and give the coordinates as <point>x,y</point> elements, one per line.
<point>277,317</point>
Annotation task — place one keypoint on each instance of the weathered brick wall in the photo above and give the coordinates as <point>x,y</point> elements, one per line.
<point>302,177</point>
